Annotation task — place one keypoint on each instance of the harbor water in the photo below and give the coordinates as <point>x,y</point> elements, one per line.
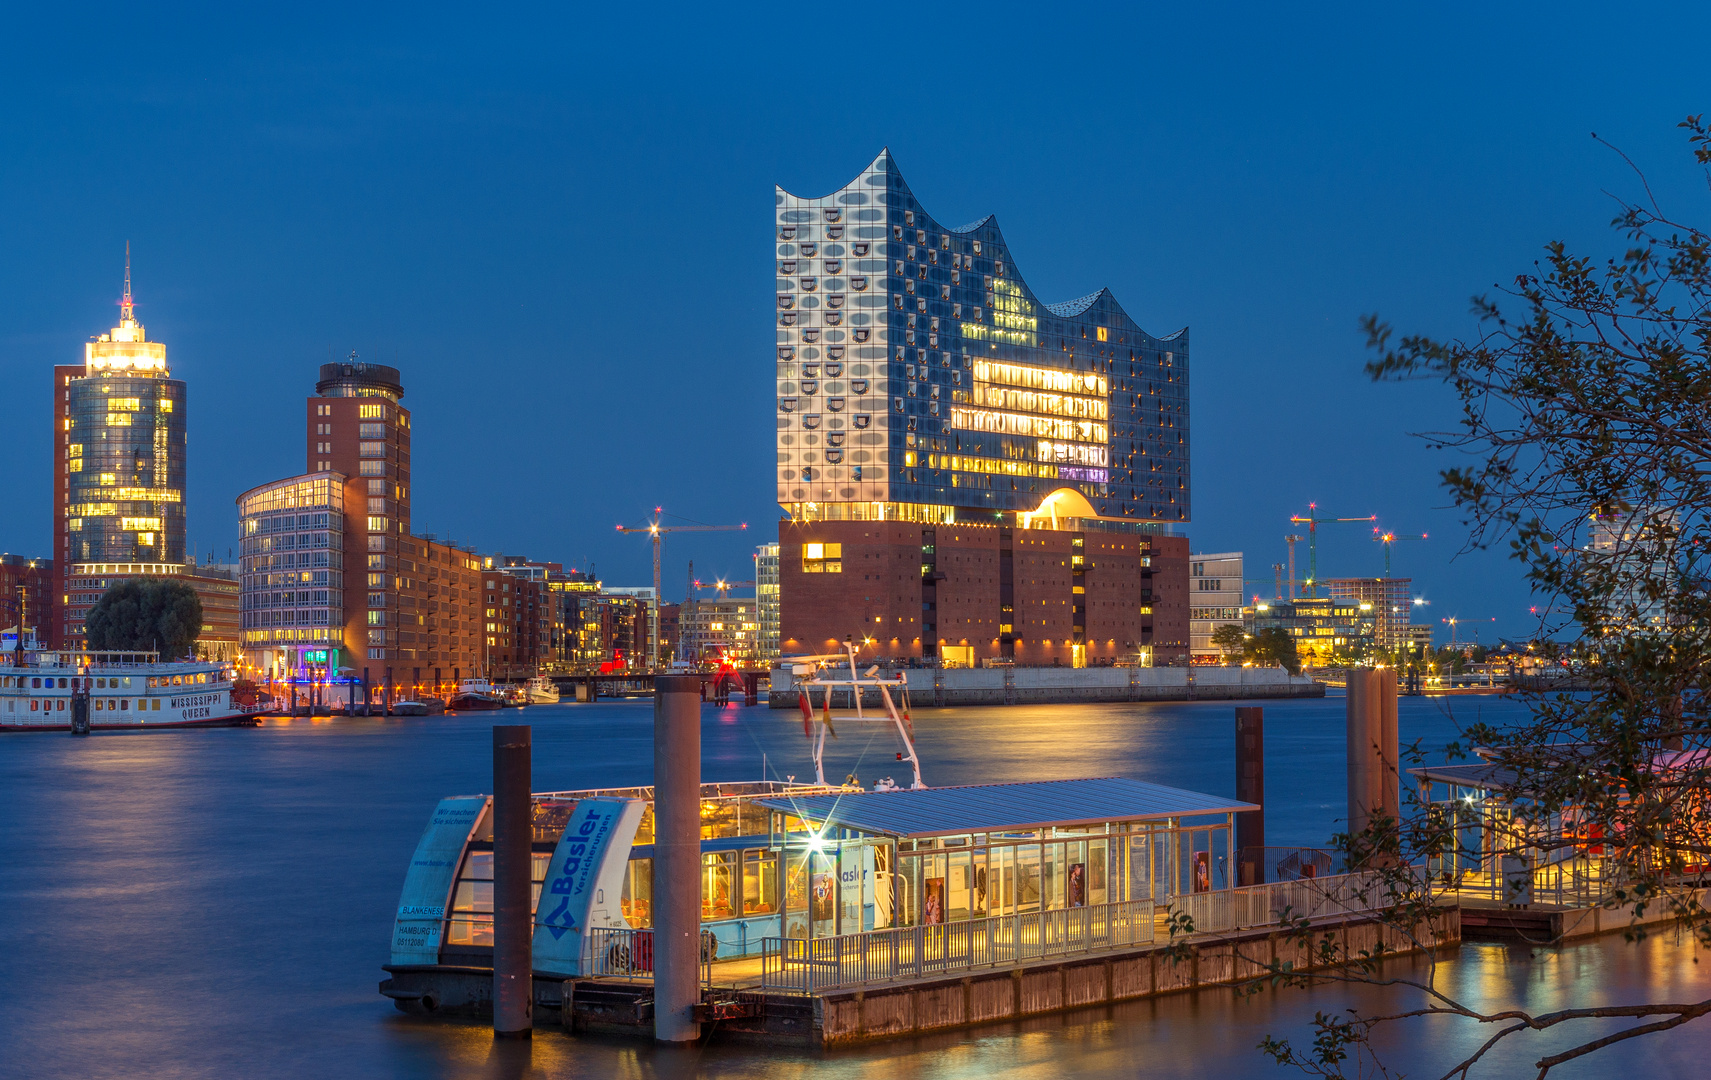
<point>218,903</point>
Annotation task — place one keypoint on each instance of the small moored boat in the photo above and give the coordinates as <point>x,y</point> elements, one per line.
<point>540,690</point>
<point>475,695</point>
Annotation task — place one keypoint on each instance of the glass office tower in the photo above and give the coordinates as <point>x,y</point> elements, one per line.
<point>919,378</point>
<point>124,459</point>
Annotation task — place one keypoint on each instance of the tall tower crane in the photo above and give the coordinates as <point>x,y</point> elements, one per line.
<point>1313,521</point>
<point>1292,540</point>
<point>657,532</point>
<point>1387,538</point>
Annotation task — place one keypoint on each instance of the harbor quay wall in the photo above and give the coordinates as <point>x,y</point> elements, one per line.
<point>941,687</point>
<point>850,1017</point>
<point>1530,924</point>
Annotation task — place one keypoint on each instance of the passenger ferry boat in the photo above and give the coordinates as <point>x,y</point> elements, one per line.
<point>125,690</point>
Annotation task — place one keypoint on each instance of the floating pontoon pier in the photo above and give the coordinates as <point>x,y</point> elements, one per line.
<point>817,896</point>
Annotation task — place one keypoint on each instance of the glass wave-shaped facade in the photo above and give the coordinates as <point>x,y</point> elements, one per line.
<point>919,376</point>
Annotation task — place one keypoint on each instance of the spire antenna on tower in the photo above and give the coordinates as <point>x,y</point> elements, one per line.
<point>127,306</point>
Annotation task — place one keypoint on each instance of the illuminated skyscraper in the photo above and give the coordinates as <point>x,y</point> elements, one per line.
<point>119,463</point>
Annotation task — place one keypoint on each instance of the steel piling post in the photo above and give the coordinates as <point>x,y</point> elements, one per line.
<point>513,922</point>
<point>677,857</point>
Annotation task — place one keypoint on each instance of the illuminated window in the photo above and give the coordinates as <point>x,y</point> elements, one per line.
<point>372,468</point>
<point>822,558</point>
<point>370,412</point>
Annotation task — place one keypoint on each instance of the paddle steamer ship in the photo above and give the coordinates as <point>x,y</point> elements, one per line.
<point>124,690</point>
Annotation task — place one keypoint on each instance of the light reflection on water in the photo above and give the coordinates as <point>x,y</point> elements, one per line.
<point>218,903</point>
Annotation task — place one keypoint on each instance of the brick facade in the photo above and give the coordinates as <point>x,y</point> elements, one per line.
<point>519,624</point>
<point>889,587</point>
<point>29,582</point>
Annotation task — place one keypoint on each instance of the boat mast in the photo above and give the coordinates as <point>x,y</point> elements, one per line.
<point>856,682</point>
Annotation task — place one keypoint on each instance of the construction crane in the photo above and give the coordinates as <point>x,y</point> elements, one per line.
<point>658,531</point>
<point>1291,540</point>
<point>724,586</point>
<point>1388,538</point>
<point>1313,521</point>
<point>1455,622</point>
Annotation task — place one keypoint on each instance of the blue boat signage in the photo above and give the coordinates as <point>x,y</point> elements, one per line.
<point>428,883</point>
<point>585,882</point>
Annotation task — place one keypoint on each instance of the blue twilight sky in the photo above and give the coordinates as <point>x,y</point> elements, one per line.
<point>557,222</point>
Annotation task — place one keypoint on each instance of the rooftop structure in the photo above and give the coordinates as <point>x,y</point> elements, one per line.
<point>983,808</point>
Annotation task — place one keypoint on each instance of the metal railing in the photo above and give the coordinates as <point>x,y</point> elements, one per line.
<point>624,953</point>
<point>1267,905</point>
<point>804,965</point>
<point>796,965</point>
<point>1572,883</point>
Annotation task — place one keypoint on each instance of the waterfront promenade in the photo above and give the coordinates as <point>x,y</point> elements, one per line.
<point>240,886</point>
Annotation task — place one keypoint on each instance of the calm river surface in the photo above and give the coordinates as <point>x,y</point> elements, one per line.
<point>218,903</point>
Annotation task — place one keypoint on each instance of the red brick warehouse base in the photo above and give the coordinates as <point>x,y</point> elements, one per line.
<point>891,581</point>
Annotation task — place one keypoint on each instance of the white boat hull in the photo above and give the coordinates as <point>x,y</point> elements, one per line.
<point>127,694</point>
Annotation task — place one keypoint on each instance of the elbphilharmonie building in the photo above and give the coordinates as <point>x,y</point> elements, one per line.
<point>968,472</point>
<point>920,377</point>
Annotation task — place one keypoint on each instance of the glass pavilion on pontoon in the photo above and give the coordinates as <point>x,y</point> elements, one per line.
<point>792,860</point>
